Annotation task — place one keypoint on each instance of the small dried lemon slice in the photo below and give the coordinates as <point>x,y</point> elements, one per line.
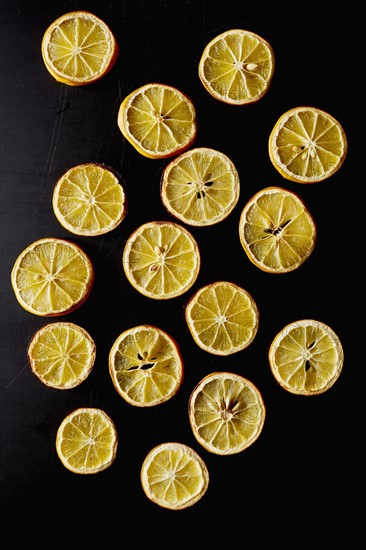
<point>222,317</point>
<point>161,260</point>
<point>146,366</point>
<point>86,441</point>
<point>276,230</point>
<point>52,277</point>
<point>237,67</point>
<point>89,200</point>
<point>226,412</point>
<point>61,355</point>
<point>174,476</point>
<point>306,357</point>
<point>158,120</point>
<point>78,48</point>
<point>307,145</point>
<point>201,187</point>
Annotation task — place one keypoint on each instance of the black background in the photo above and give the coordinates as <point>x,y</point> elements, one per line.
<point>299,480</point>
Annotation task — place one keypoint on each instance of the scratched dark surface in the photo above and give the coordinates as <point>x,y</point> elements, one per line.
<point>301,470</point>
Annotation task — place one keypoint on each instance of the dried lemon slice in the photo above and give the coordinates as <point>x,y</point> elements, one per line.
<point>146,366</point>
<point>52,277</point>
<point>161,260</point>
<point>174,476</point>
<point>78,48</point>
<point>61,355</point>
<point>86,441</point>
<point>222,317</point>
<point>276,230</point>
<point>237,67</point>
<point>89,200</point>
<point>306,357</point>
<point>226,412</point>
<point>158,120</point>
<point>201,187</point>
<point>307,145</point>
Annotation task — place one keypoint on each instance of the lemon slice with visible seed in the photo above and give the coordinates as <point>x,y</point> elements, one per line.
<point>158,120</point>
<point>201,187</point>
<point>161,260</point>
<point>307,145</point>
<point>78,48</point>
<point>52,277</point>
<point>146,366</point>
<point>174,476</point>
<point>86,441</point>
<point>226,412</point>
<point>89,200</point>
<point>61,355</point>
<point>306,357</point>
<point>276,230</point>
<point>237,67</point>
<point>222,317</point>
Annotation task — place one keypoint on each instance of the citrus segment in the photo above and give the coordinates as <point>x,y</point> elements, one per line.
<point>86,441</point>
<point>61,355</point>
<point>200,187</point>
<point>78,48</point>
<point>237,67</point>
<point>146,366</point>
<point>222,317</point>
<point>306,357</point>
<point>174,476</point>
<point>89,200</point>
<point>52,277</point>
<point>226,412</point>
<point>276,230</point>
<point>158,120</point>
<point>307,145</point>
<point>161,259</point>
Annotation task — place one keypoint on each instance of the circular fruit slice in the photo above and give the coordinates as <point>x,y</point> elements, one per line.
<point>146,366</point>
<point>174,476</point>
<point>158,120</point>
<point>226,412</point>
<point>61,355</point>
<point>307,145</point>
<point>86,441</point>
<point>200,187</point>
<point>306,357</point>
<point>237,66</point>
<point>161,260</point>
<point>276,230</point>
<point>52,277</point>
<point>222,318</point>
<point>89,200</point>
<point>78,48</point>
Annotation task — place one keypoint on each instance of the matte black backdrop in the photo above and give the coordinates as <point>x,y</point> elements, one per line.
<point>300,470</point>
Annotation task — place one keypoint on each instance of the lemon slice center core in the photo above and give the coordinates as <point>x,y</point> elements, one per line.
<point>221,319</point>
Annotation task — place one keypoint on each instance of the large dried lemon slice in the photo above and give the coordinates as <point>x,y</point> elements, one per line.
<point>306,357</point>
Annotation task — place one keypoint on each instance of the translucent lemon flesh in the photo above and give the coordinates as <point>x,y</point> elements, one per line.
<point>307,145</point>
<point>201,187</point>
<point>89,200</point>
<point>226,413</point>
<point>237,67</point>
<point>277,231</point>
<point>86,441</point>
<point>174,476</point>
<point>161,260</point>
<point>78,48</point>
<point>158,120</point>
<point>146,366</point>
<point>61,355</point>
<point>306,357</point>
<point>52,277</point>
<point>223,318</point>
